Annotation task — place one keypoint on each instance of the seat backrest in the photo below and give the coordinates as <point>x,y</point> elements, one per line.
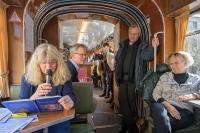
<point>84,97</point>
<point>148,83</point>
<point>14,92</point>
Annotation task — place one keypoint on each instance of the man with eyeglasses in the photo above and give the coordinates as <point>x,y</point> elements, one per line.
<point>77,57</point>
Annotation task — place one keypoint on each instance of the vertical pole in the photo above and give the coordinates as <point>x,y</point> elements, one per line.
<point>155,58</point>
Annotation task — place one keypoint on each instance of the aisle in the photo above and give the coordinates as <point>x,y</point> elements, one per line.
<point>105,120</point>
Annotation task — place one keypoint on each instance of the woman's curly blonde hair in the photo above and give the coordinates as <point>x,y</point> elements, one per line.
<point>47,51</point>
<point>187,58</point>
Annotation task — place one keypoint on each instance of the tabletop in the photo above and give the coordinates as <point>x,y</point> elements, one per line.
<point>47,119</point>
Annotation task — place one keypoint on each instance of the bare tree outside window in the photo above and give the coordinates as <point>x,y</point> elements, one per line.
<point>192,41</point>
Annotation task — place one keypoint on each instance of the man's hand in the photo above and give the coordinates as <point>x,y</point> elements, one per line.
<point>172,110</point>
<point>66,102</point>
<point>155,42</point>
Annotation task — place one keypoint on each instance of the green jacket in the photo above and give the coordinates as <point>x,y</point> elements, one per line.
<point>148,83</point>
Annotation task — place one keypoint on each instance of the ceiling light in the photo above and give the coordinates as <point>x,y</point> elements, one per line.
<point>84,26</point>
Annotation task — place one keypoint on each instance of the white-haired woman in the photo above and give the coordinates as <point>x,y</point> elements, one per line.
<point>33,84</point>
<point>171,111</point>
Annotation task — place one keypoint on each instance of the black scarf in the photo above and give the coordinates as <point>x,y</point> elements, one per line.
<point>181,77</point>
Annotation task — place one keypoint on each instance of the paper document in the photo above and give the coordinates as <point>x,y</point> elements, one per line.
<point>4,114</point>
<point>14,124</point>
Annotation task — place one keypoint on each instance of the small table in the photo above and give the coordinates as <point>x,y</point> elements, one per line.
<point>48,119</point>
<point>195,103</point>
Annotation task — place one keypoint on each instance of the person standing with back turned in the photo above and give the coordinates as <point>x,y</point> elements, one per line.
<point>130,67</point>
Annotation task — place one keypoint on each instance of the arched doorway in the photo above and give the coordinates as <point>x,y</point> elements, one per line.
<point>121,10</point>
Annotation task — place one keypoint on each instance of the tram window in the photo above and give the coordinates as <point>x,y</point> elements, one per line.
<point>192,41</point>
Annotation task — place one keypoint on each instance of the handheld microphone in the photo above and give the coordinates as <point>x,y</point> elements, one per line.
<point>48,76</point>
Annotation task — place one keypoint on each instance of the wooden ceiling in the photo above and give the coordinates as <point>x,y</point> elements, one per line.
<point>15,3</point>
<point>21,3</point>
<point>37,3</point>
<point>136,3</point>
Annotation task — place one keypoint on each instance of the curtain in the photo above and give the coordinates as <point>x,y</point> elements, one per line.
<point>181,24</point>
<point>4,86</point>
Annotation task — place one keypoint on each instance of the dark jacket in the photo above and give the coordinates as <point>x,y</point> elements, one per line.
<point>27,89</point>
<point>73,71</point>
<point>144,54</point>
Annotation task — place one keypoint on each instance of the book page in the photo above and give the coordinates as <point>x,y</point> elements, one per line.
<point>49,104</point>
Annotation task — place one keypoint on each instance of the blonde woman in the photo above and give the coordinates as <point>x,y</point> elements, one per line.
<point>171,111</point>
<point>33,84</point>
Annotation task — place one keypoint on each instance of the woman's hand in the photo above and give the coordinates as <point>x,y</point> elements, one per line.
<point>172,110</point>
<point>187,97</point>
<point>66,102</point>
<point>42,90</point>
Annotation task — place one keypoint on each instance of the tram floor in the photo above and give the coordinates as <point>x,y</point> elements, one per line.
<point>104,118</point>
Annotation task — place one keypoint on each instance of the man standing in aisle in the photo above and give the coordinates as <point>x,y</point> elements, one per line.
<point>130,67</point>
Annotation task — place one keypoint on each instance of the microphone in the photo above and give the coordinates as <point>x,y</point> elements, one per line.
<point>48,76</point>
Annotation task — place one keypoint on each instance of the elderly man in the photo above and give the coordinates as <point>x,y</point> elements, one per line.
<point>77,57</point>
<point>131,65</point>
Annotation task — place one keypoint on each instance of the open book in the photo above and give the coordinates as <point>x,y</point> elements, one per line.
<point>41,104</point>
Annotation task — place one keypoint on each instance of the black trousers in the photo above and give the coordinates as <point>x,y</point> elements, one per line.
<point>127,106</point>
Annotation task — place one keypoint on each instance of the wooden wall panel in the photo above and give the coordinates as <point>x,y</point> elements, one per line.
<point>170,35</point>
<point>15,42</point>
<point>123,31</point>
<point>175,5</point>
<point>169,25</point>
<point>156,25</point>
<point>50,32</point>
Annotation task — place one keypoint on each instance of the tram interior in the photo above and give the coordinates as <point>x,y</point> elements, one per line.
<point>28,23</point>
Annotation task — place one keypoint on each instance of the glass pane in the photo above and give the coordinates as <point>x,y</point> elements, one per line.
<point>194,22</point>
<point>89,32</point>
<point>192,45</point>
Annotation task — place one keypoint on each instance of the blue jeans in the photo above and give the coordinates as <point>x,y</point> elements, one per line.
<point>63,127</point>
<point>109,83</point>
<point>165,123</point>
